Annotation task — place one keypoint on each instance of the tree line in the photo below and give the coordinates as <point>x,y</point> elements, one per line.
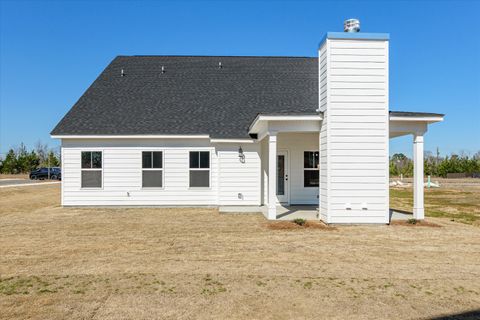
<point>436,166</point>
<point>21,160</point>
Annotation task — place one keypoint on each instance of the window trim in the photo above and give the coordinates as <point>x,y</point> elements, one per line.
<point>209,169</point>
<point>311,169</point>
<point>152,169</point>
<point>91,169</point>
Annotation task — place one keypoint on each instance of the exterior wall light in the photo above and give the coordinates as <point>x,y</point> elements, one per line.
<point>241,156</point>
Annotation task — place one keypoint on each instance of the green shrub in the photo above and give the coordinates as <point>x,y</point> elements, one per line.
<point>412,221</point>
<point>300,221</point>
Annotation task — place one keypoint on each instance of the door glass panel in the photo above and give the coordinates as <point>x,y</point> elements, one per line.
<point>280,175</point>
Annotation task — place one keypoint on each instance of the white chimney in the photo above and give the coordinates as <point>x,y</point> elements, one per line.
<point>354,136</point>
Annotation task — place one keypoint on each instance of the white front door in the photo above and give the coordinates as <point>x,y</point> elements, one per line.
<point>282,177</point>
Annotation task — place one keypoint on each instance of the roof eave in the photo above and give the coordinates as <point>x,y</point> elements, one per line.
<point>429,119</point>
<point>278,117</point>
<point>136,136</point>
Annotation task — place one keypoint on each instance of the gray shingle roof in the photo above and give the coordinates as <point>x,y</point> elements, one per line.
<point>192,96</point>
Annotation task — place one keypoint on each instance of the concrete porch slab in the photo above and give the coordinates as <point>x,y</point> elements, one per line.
<point>283,212</point>
<point>400,215</point>
<point>306,212</point>
<point>294,212</point>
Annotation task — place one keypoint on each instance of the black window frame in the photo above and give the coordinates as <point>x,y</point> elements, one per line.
<point>91,166</point>
<point>153,168</point>
<point>200,164</point>
<point>308,168</point>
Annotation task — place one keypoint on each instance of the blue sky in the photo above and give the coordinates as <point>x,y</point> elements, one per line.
<point>50,52</point>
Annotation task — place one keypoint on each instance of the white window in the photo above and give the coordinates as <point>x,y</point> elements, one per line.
<point>91,169</point>
<point>310,169</point>
<point>152,169</point>
<point>199,169</point>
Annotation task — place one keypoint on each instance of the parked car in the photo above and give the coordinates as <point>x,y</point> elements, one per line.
<point>42,173</point>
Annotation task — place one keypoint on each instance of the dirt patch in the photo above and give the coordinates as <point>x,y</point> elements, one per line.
<point>290,225</point>
<point>419,223</point>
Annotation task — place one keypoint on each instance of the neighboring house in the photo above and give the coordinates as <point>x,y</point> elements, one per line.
<point>243,131</point>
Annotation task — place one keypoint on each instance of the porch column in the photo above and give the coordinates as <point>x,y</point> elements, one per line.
<point>418,206</point>
<point>272,176</point>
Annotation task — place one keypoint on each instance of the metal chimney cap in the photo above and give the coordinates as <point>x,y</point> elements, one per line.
<point>351,25</point>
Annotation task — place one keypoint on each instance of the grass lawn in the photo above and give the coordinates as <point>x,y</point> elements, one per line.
<point>144,263</point>
<point>457,203</point>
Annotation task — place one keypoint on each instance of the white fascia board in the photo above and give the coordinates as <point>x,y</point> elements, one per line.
<point>130,136</point>
<point>153,137</point>
<point>416,119</point>
<point>232,141</point>
<point>289,118</point>
<point>260,118</point>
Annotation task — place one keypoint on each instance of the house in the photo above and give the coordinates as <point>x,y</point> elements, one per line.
<point>243,131</point>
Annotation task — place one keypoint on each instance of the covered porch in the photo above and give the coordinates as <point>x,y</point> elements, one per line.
<point>416,125</point>
<point>294,188</point>
<point>288,179</point>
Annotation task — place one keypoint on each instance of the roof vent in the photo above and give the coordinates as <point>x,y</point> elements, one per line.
<point>220,65</point>
<point>122,73</point>
<point>163,69</point>
<point>351,25</point>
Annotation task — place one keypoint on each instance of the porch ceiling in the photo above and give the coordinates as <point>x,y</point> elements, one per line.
<point>263,124</point>
<point>404,123</point>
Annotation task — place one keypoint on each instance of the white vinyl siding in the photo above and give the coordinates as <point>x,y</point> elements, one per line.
<point>324,85</point>
<point>122,174</point>
<point>354,133</point>
<point>240,180</point>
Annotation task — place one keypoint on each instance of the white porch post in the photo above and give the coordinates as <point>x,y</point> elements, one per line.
<point>418,206</point>
<point>272,176</point>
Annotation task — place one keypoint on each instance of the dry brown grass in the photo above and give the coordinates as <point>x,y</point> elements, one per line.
<point>124,263</point>
<point>414,224</point>
<point>13,176</point>
<point>290,225</point>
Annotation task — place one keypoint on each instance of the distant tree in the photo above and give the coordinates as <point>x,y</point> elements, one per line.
<point>399,156</point>
<point>429,167</point>
<point>428,154</point>
<point>42,153</point>
<point>23,159</point>
<point>52,159</point>
<point>407,169</point>
<point>31,162</point>
<point>393,169</point>
<point>9,164</point>
<point>401,163</point>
